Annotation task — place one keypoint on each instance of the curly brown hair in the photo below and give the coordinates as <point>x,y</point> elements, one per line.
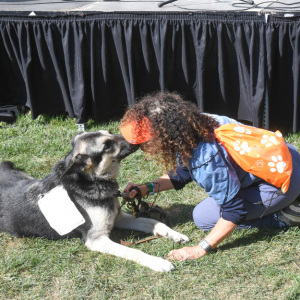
<point>177,126</point>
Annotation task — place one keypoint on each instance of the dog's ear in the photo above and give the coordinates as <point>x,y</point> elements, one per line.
<point>75,138</point>
<point>80,163</point>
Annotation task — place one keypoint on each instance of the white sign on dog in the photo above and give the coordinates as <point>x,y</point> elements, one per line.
<point>59,210</point>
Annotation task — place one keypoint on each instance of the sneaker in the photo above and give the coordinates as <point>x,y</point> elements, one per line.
<point>290,215</point>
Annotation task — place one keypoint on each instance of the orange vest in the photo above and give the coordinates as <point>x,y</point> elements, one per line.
<point>258,151</point>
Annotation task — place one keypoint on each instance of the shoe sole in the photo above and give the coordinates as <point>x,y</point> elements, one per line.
<point>292,218</point>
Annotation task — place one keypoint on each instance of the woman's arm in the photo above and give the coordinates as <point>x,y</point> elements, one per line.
<point>161,184</point>
<point>220,231</point>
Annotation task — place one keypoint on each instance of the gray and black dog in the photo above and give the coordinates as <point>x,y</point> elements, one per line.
<point>89,175</point>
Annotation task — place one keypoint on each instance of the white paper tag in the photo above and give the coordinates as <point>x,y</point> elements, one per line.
<point>59,210</point>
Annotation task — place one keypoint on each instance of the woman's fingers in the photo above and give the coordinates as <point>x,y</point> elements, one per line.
<point>175,255</point>
<point>186,253</point>
<point>128,187</point>
<point>127,193</point>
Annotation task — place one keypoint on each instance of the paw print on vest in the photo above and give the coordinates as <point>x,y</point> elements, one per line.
<point>269,140</point>
<point>242,148</point>
<point>260,163</point>
<point>256,148</point>
<point>277,164</point>
<point>241,129</point>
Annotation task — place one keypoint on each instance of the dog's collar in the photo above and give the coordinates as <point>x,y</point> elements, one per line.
<point>118,194</point>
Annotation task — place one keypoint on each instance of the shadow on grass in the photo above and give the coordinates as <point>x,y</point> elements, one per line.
<point>250,236</point>
<point>177,214</point>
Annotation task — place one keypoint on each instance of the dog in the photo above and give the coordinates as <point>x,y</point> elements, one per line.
<point>88,174</point>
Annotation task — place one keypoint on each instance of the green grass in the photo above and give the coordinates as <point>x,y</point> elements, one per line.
<point>250,264</point>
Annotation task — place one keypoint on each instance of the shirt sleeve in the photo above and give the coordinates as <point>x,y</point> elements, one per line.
<point>212,171</point>
<point>180,178</point>
<point>234,210</point>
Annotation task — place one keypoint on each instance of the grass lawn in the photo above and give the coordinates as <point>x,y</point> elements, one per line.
<point>250,264</point>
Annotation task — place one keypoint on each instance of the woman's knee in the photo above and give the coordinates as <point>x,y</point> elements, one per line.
<point>206,214</point>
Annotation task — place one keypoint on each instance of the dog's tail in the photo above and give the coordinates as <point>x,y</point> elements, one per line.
<point>7,165</point>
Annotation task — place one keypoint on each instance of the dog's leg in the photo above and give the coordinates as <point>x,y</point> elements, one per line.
<point>104,245</point>
<point>126,221</point>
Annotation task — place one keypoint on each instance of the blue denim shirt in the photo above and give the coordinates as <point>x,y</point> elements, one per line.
<point>215,171</point>
<point>212,171</point>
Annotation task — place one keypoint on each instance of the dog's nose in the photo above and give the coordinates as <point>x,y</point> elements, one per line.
<point>127,149</point>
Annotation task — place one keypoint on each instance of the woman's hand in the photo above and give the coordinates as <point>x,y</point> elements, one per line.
<point>220,231</point>
<point>186,253</point>
<point>162,183</point>
<point>131,194</point>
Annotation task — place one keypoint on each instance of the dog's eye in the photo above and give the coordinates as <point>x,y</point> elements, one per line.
<point>107,146</point>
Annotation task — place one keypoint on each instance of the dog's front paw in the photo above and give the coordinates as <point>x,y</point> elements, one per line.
<point>163,230</point>
<point>180,238</point>
<point>159,265</point>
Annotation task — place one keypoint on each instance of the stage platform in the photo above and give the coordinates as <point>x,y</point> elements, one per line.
<point>148,5</point>
<point>91,59</point>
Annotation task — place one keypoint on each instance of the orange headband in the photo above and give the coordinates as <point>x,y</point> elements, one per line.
<point>137,132</point>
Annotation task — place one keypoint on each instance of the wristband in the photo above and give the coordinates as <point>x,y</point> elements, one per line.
<point>205,245</point>
<point>150,186</point>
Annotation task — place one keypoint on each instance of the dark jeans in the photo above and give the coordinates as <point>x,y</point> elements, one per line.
<point>261,202</point>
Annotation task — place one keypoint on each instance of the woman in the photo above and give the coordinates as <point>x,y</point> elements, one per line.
<point>182,138</point>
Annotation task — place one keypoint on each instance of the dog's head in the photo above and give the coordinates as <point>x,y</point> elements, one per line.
<point>97,154</point>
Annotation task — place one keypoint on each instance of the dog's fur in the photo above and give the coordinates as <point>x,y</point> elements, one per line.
<point>89,175</point>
